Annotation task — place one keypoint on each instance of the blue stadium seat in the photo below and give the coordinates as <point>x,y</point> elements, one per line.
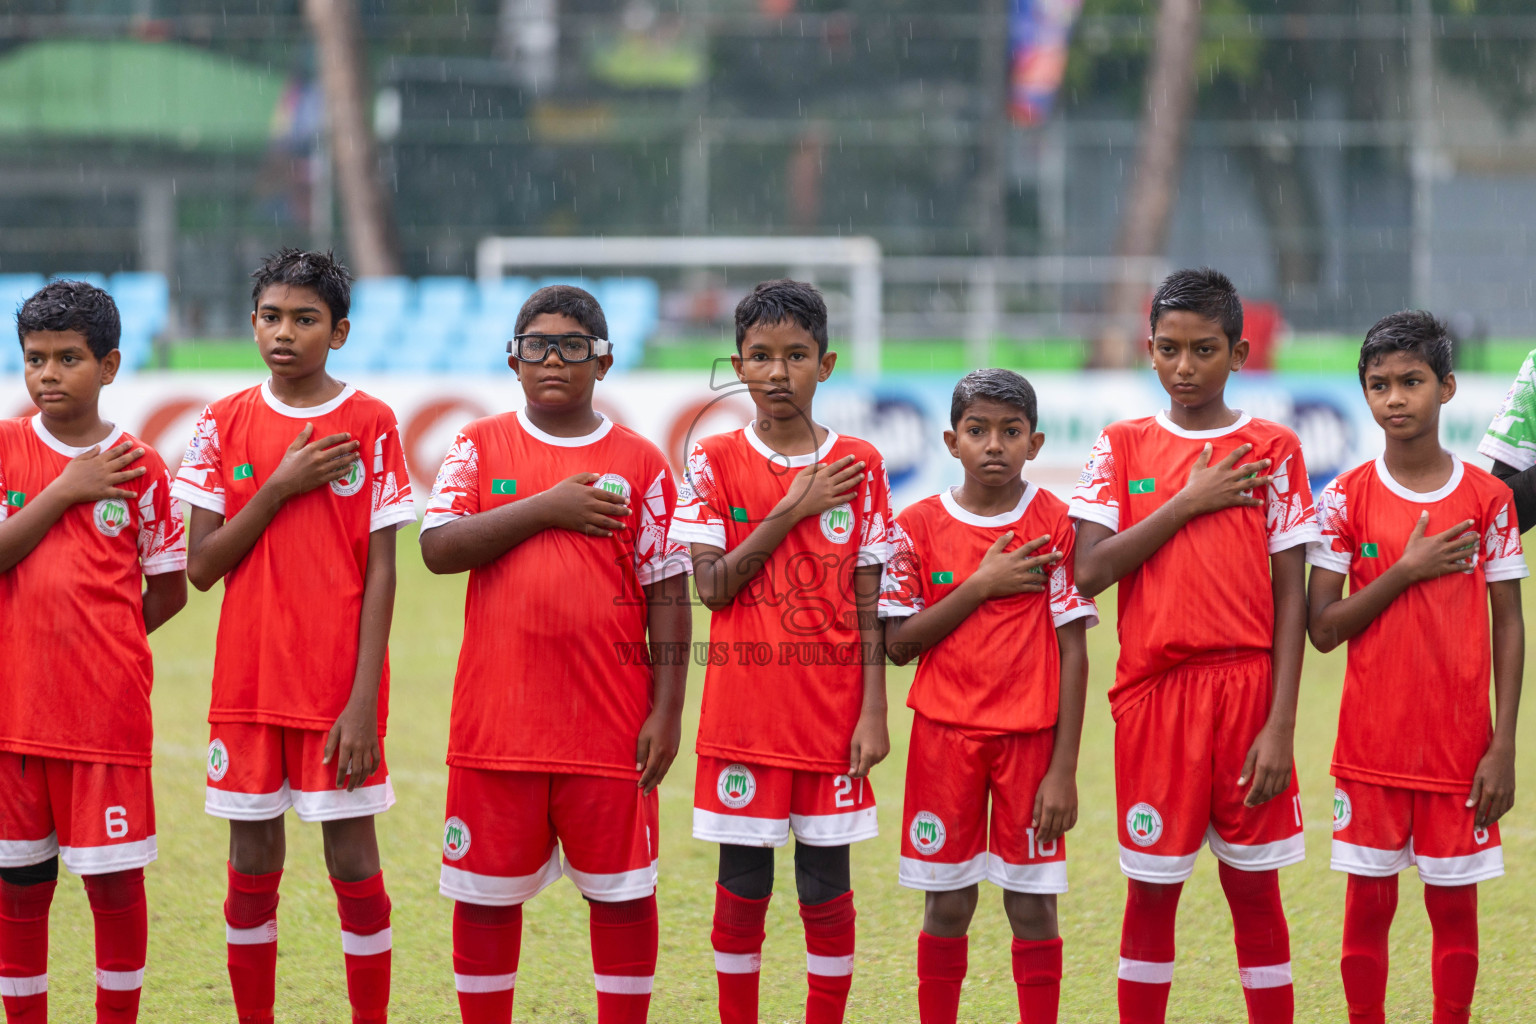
<point>483,349</point>
<point>505,297</point>
<point>422,345</point>
<point>137,347</point>
<point>383,298</point>
<point>142,298</point>
<point>368,340</point>
<point>88,276</point>
<point>14,290</point>
<point>446,298</point>
<point>633,307</point>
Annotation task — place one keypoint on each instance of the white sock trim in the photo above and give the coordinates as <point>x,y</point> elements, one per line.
<point>353,944</point>
<point>17,988</point>
<point>829,966</point>
<point>120,981</point>
<point>476,983</point>
<point>1146,972</point>
<point>1269,976</point>
<point>738,963</point>
<point>258,936</point>
<point>624,984</point>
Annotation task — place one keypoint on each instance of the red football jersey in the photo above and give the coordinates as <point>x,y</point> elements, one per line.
<point>554,672</point>
<point>1000,669</point>
<point>77,664</point>
<point>288,628</point>
<point>785,678</point>
<point>1208,589</point>
<point>1414,712</point>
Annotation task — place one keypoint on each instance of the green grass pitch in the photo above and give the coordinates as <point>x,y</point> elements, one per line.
<point>186,979</point>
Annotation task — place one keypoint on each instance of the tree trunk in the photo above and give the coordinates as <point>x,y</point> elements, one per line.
<point>366,208</point>
<point>1170,96</point>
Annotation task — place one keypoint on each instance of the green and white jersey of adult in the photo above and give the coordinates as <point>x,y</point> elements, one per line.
<point>1511,437</point>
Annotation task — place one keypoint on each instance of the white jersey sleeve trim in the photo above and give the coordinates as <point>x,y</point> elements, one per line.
<point>1306,533</point>
<point>170,561</point>
<point>1321,555</point>
<point>1093,512</point>
<point>696,533</point>
<point>1519,459</point>
<point>194,495</point>
<point>1501,569</point>
<point>896,610</point>
<point>1089,611</point>
<point>399,516</point>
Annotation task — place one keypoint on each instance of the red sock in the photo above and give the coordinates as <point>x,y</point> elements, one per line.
<point>1453,921</point>
<point>366,941</point>
<point>1263,943</point>
<point>941,964</point>
<point>1369,905</point>
<point>1037,973</point>
<point>828,958</point>
<point>122,938</point>
<point>737,937</point>
<point>486,944</point>
<point>624,958</point>
<point>24,951</point>
<point>1146,951</point>
<point>250,928</point>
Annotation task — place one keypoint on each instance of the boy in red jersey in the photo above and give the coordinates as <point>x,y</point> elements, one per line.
<point>998,696</point>
<point>1429,544</point>
<point>1213,616</point>
<point>297,488</point>
<point>87,515</point>
<point>568,700</point>
<point>788,525</point>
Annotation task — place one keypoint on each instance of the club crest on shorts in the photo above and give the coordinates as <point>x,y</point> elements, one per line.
<point>1144,824</point>
<point>1343,810</point>
<point>110,516</point>
<point>218,760</point>
<point>837,523</point>
<point>455,839</point>
<point>927,833</point>
<point>613,484</point>
<point>352,482</point>
<point>736,786</point>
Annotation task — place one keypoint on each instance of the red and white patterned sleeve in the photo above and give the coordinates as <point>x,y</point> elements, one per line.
<point>697,518</point>
<point>875,544</point>
<point>456,491</point>
<point>1289,516</point>
<point>162,536</point>
<point>392,500</point>
<point>901,586</point>
<point>1095,498</point>
<point>1334,549</point>
<point>1067,602</point>
<point>1503,557</point>
<point>658,555</point>
<point>200,481</point>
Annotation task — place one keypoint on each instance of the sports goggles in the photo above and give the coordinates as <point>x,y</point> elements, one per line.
<point>573,348</point>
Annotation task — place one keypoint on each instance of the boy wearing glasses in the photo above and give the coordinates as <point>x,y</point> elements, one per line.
<point>568,699</point>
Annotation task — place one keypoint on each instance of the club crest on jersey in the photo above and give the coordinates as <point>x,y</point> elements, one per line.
<point>613,484</point>
<point>736,786</point>
<point>1343,810</point>
<point>927,833</point>
<point>218,760</point>
<point>110,516</point>
<point>1144,824</point>
<point>352,482</point>
<point>455,839</point>
<point>837,523</point>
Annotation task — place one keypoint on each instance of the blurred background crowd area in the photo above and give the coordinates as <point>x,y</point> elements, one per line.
<point>1340,159</point>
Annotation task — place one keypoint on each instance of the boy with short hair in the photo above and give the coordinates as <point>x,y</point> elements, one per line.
<point>1001,681</point>
<point>788,526</point>
<point>1209,553</point>
<point>297,488</point>
<point>86,515</point>
<point>1428,544</point>
<point>568,699</point>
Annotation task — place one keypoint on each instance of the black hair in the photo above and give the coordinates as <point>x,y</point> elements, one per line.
<point>322,271</point>
<point>775,302</point>
<point>1206,293</point>
<point>1003,386</point>
<point>72,306</point>
<point>567,300</point>
<point>1414,331</point>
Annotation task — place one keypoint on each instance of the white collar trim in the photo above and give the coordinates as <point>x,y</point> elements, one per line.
<point>1419,497</point>
<point>308,412</point>
<point>566,442</point>
<point>1201,435</point>
<point>69,451</point>
<point>791,461</point>
<point>953,507</point>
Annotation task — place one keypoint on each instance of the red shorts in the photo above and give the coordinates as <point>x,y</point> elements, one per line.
<point>945,841</point>
<point>1178,755</point>
<point>503,829</point>
<point>1380,830</point>
<point>256,772</point>
<point>96,818</point>
<point>758,805</point>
